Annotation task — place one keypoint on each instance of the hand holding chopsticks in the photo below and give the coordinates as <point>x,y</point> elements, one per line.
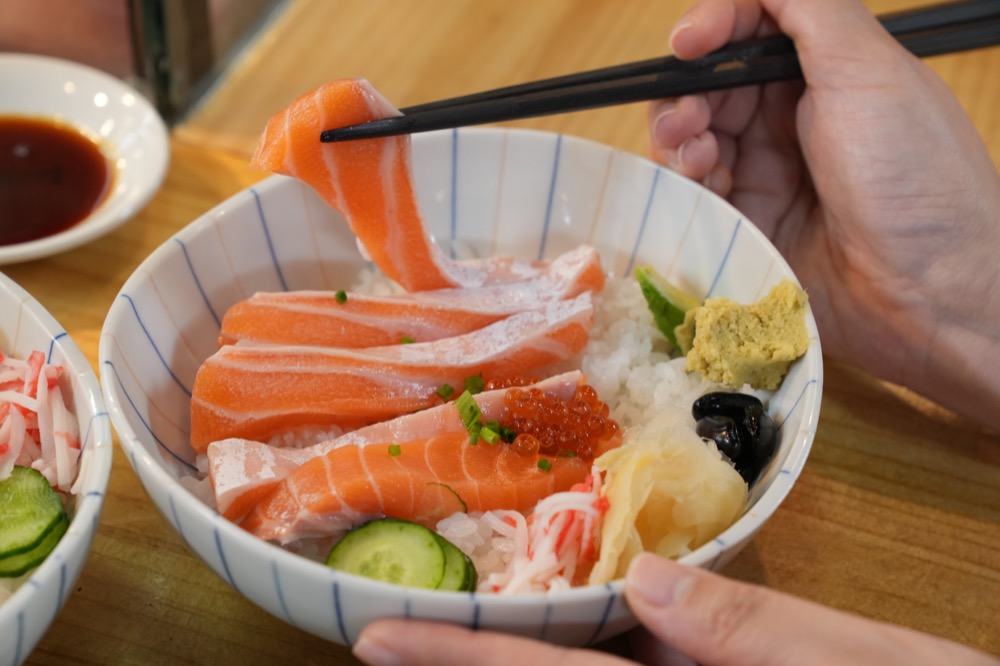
<point>929,31</point>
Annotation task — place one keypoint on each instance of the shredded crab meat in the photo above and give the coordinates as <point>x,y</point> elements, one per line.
<point>36,428</point>
<point>555,546</point>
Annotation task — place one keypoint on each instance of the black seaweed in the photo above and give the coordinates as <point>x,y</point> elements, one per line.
<point>741,428</point>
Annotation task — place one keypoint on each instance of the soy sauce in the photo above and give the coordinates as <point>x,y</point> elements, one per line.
<point>51,178</point>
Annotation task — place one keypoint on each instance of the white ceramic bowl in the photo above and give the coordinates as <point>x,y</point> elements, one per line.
<point>125,126</point>
<point>516,192</point>
<point>26,327</point>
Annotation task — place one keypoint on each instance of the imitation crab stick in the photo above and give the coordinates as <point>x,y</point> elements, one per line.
<point>243,470</point>
<point>370,183</point>
<point>342,319</point>
<point>255,391</point>
<point>423,480</point>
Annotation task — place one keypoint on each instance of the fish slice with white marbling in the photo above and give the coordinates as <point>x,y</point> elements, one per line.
<point>243,471</point>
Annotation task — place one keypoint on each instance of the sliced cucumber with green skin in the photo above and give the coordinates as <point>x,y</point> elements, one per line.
<point>32,520</point>
<point>459,571</point>
<point>21,563</point>
<point>667,303</point>
<point>405,553</point>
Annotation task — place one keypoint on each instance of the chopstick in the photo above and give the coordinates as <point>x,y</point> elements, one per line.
<point>925,32</point>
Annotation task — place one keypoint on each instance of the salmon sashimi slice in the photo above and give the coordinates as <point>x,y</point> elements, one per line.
<point>370,182</point>
<point>255,391</point>
<point>359,320</point>
<point>422,480</point>
<point>243,471</point>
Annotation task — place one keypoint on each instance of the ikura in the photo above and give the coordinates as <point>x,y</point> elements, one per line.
<point>547,425</point>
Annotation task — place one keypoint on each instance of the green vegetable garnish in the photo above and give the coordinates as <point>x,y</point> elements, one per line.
<point>446,391</point>
<point>544,465</point>
<point>465,507</point>
<point>469,411</point>
<point>404,553</point>
<point>667,303</point>
<point>475,384</point>
<point>394,450</point>
<point>32,520</point>
<point>407,340</point>
<point>491,436</point>
<point>341,296</point>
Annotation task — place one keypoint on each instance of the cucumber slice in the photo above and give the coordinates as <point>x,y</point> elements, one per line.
<point>32,520</point>
<point>391,550</point>
<point>459,571</point>
<point>20,563</point>
<point>667,303</point>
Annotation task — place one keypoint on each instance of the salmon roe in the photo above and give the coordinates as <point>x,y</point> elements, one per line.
<point>547,425</point>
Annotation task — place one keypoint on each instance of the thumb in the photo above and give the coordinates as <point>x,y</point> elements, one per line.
<point>719,622</point>
<point>712,620</point>
<point>829,33</point>
<point>825,32</point>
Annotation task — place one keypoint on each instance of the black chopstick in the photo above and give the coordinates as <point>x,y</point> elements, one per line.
<point>896,23</point>
<point>928,31</point>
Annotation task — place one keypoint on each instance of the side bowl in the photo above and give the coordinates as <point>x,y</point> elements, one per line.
<point>489,191</point>
<point>25,327</point>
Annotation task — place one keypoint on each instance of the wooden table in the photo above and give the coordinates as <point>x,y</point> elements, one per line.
<point>896,516</point>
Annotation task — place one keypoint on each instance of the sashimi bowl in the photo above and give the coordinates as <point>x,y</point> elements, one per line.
<point>526,194</point>
<point>32,594</point>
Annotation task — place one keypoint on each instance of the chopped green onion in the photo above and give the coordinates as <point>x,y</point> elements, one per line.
<point>341,296</point>
<point>507,434</point>
<point>465,507</point>
<point>489,434</point>
<point>469,411</point>
<point>407,340</point>
<point>394,450</point>
<point>569,454</point>
<point>446,391</point>
<point>475,384</point>
<point>544,465</point>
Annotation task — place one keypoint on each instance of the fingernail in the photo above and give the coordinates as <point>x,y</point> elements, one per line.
<point>681,26</point>
<point>675,158</point>
<point>666,110</point>
<point>657,581</point>
<point>374,652</point>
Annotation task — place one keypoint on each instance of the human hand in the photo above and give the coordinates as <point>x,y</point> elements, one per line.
<point>689,616</point>
<point>870,180</point>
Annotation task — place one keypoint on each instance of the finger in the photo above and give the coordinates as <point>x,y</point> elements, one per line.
<point>674,121</point>
<point>719,180</point>
<point>391,642</point>
<point>711,24</point>
<point>830,33</point>
<point>648,649</point>
<point>694,159</point>
<point>721,622</point>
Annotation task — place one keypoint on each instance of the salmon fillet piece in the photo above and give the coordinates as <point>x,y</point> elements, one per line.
<point>243,471</point>
<point>423,480</point>
<point>370,182</point>
<point>256,391</point>
<point>360,320</point>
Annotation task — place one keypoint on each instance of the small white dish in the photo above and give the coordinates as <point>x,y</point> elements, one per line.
<point>126,127</point>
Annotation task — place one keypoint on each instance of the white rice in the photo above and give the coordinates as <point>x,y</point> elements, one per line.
<point>628,360</point>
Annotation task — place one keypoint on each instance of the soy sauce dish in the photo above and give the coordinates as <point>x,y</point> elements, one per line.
<point>80,153</point>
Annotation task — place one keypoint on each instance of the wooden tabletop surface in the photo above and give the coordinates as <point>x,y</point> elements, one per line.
<point>896,515</point>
